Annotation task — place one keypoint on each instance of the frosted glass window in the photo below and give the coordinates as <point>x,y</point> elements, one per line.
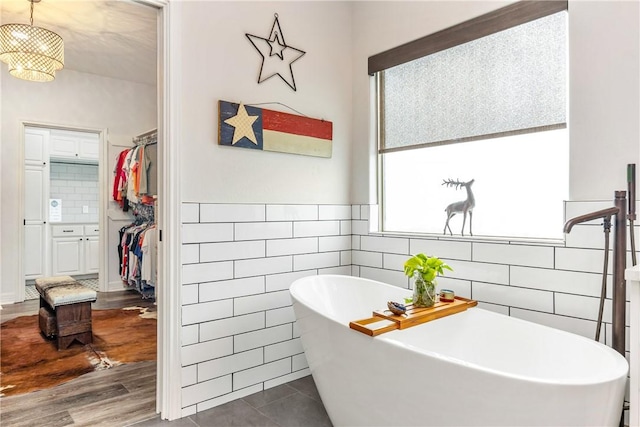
<point>520,183</point>
<point>492,110</point>
<point>513,81</point>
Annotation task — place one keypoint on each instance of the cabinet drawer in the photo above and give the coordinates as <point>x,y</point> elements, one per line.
<point>91,230</point>
<point>67,230</point>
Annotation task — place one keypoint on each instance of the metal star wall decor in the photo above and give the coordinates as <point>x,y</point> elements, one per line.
<point>277,56</point>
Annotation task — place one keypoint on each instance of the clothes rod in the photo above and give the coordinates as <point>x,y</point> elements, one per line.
<point>147,140</point>
<point>148,133</point>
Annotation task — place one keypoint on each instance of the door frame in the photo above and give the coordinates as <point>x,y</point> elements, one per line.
<point>168,211</point>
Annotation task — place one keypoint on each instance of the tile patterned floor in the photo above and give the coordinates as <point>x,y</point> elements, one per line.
<point>31,293</point>
<point>296,403</point>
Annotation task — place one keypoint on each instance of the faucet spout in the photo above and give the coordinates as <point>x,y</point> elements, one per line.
<point>603,213</point>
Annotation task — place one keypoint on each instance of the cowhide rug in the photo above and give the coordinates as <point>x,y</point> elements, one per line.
<point>29,361</point>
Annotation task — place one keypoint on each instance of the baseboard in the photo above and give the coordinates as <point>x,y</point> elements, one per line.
<point>7,298</point>
<point>115,286</point>
<point>85,276</point>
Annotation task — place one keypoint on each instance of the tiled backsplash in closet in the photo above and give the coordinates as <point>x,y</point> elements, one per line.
<point>77,186</point>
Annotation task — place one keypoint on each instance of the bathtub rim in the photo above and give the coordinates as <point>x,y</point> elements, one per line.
<point>621,362</point>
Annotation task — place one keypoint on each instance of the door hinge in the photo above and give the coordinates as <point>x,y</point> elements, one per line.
<point>160,236</point>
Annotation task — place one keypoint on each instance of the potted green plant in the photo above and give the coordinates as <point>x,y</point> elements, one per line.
<point>424,270</point>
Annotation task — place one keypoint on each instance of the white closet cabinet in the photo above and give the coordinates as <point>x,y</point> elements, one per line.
<point>75,249</point>
<point>74,146</point>
<point>36,187</point>
<point>67,249</point>
<point>91,249</point>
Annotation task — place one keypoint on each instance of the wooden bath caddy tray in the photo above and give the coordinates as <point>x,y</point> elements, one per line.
<point>385,321</point>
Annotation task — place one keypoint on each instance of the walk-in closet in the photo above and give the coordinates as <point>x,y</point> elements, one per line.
<point>134,191</point>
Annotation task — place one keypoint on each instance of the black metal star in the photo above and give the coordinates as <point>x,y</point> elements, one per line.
<point>277,56</point>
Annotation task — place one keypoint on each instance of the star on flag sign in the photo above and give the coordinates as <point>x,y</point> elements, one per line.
<point>258,128</point>
<point>243,125</point>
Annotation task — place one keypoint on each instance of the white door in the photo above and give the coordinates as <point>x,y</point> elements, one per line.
<point>34,245</point>
<point>67,256</point>
<point>36,146</point>
<point>36,187</point>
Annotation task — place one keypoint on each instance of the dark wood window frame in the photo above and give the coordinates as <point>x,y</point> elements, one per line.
<point>484,25</point>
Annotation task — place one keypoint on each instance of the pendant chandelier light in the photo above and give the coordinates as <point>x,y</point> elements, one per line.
<point>32,53</point>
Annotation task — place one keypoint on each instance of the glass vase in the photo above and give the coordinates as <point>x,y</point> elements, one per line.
<point>424,293</point>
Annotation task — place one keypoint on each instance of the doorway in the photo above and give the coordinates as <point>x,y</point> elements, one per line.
<point>61,199</point>
<point>168,113</point>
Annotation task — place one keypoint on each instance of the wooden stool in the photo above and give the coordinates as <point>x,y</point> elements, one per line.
<point>69,303</point>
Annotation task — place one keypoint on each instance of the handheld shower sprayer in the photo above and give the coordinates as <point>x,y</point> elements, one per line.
<point>631,193</point>
<point>631,211</point>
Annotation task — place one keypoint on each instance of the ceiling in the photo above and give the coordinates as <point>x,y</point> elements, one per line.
<point>114,39</point>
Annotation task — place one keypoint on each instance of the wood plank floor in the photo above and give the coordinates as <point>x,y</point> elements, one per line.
<point>119,396</point>
<point>119,299</point>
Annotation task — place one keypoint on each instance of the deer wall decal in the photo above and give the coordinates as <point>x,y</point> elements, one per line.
<point>464,206</point>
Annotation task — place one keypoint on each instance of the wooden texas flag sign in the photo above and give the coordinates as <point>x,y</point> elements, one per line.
<point>244,126</point>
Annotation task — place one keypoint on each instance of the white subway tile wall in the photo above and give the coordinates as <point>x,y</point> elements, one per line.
<point>238,261</point>
<point>76,185</point>
<point>554,284</point>
<point>239,333</point>
<point>292,212</point>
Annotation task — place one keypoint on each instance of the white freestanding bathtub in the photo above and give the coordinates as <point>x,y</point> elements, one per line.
<point>472,368</point>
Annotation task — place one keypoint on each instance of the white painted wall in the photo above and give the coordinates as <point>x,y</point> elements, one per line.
<point>604,82</point>
<point>219,63</point>
<point>76,100</point>
<point>291,206</point>
<point>604,111</point>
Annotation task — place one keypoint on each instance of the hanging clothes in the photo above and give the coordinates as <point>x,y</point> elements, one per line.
<point>131,177</point>
<point>138,252</point>
<point>138,245</point>
<point>132,180</point>
<point>145,164</point>
<point>149,247</point>
<point>120,178</point>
